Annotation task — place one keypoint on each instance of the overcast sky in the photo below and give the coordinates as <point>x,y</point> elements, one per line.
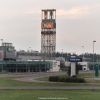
<point>78,24</point>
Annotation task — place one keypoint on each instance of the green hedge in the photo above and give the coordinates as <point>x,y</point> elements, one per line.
<point>66,79</point>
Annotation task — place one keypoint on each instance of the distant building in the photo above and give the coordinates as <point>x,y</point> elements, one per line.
<point>28,56</point>
<point>7,52</point>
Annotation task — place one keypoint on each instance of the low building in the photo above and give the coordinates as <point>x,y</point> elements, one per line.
<point>7,52</point>
<point>25,66</point>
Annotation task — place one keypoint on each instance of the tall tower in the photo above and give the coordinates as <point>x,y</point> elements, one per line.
<point>48,31</point>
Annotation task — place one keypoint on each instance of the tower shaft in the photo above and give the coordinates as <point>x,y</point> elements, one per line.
<point>48,31</point>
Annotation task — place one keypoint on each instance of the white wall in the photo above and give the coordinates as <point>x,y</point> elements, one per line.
<point>67,64</point>
<point>55,66</point>
<point>73,69</point>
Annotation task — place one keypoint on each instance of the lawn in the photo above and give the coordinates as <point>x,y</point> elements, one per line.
<point>10,82</point>
<point>87,74</point>
<point>6,80</point>
<point>46,94</point>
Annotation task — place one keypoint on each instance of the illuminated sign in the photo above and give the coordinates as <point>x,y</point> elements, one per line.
<point>48,25</point>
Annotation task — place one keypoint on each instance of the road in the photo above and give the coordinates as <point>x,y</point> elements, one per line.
<point>50,88</point>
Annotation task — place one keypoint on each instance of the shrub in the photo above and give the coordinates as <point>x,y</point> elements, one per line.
<point>54,78</point>
<point>66,79</point>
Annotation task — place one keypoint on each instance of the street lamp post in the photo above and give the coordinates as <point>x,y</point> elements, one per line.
<point>1,41</point>
<point>93,53</point>
<point>62,52</point>
<point>83,53</point>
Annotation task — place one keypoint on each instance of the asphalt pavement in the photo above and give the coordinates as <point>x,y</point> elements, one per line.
<point>51,88</point>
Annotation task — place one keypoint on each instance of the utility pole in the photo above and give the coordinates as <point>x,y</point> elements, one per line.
<point>1,41</point>
<point>83,53</point>
<point>93,57</point>
<point>93,53</point>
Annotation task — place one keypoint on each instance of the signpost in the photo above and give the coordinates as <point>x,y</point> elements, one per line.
<point>74,60</point>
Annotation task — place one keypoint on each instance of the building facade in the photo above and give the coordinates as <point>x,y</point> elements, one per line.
<point>7,52</point>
